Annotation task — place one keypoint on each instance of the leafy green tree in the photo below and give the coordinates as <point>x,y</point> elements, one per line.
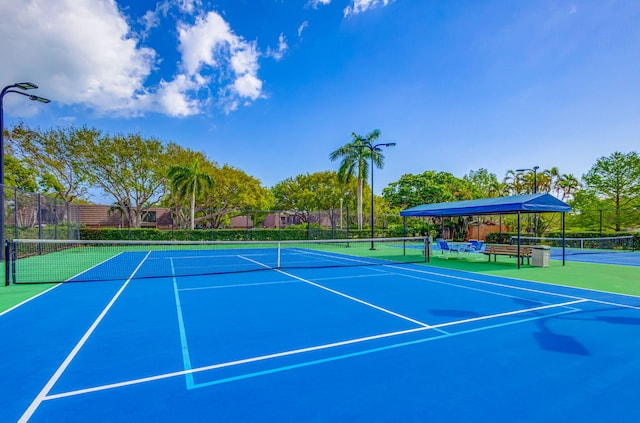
<point>19,175</point>
<point>234,191</point>
<point>128,168</point>
<point>189,181</point>
<point>427,188</point>
<point>56,155</point>
<point>589,212</point>
<point>483,183</point>
<point>310,192</point>
<point>354,162</point>
<point>616,178</point>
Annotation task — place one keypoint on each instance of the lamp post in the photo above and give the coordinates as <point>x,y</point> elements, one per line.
<point>535,176</point>
<point>373,148</point>
<point>535,191</point>
<point>23,86</point>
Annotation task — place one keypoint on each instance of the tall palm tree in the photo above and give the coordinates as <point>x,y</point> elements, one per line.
<point>567,185</point>
<point>355,162</point>
<point>189,180</point>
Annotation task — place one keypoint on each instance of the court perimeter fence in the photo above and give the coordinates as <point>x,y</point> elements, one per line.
<point>30,215</point>
<point>259,225</point>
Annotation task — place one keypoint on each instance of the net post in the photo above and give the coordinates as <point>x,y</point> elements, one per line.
<point>7,263</point>
<point>278,260</point>
<point>427,252</point>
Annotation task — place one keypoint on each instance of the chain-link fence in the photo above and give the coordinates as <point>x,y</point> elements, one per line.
<point>318,224</point>
<point>29,215</point>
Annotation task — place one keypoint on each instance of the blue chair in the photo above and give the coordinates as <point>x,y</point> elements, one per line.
<point>477,247</point>
<point>445,247</point>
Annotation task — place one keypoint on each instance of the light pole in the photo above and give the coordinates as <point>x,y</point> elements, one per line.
<point>373,148</point>
<point>6,90</point>
<point>535,176</point>
<point>535,191</point>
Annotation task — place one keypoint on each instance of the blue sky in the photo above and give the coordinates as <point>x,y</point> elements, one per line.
<point>273,86</point>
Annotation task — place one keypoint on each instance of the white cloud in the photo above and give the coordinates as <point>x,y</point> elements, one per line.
<point>316,3</point>
<point>173,97</point>
<point>77,51</point>
<point>302,27</point>
<point>83,52</point>
<point>188,6</point>
<point>210,46</point>
<point>281,50</point>
<point>360,6</point>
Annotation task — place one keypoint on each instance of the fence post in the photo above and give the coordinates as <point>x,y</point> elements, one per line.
<point>39,216</point>
<point>68,219</point>
<point>348,225</point>
<point>15,214</point>
<point>7,263</point>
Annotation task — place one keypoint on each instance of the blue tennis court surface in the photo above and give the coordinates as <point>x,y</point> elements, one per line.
<point>627,258</point>
<point>368,343</point>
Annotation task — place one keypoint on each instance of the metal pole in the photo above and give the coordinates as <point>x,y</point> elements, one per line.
<point>535,191</point>
<point>372,223</point>
<point>5,91</point>
<point>563,237</point>
<point>7,264</point>
<point>15,214</point>
<point>518,258</point>
<point>2,253</point>
<point>67,218</point>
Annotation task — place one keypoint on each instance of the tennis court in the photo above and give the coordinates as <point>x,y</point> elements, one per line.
<point>151,337</point>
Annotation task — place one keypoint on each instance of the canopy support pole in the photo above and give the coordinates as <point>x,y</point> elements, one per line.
<point>518,258</point>
<point>563,237</point>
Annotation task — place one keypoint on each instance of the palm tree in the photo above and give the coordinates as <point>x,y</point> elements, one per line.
<point>189,181</point>
<point>355,162</point>
<point>567,185</point>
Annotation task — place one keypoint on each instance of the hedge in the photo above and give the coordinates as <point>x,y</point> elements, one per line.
<point>298,233</point>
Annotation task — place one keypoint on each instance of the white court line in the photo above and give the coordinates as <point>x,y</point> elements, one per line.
<point>29,299</point>
<point>530,289</point>
<point>58,373</point>
<point>344,295</point>
<point>237,285</point>
<point>340,258</point>
<point>295,352</point>
<point>393,313</point>
<point>94,266</point>
<point>208,257</point>
<point>537,291</point>
<point>335,278</point>
<point>470,288</point>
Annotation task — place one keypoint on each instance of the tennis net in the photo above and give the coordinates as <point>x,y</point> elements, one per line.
<point>600,245</point>
<point>47,261</point>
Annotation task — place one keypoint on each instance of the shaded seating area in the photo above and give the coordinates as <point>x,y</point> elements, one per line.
<point>518,205</point>
<point>473,246</point>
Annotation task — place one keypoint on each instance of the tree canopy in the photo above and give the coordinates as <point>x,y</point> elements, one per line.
<point>137,172</point>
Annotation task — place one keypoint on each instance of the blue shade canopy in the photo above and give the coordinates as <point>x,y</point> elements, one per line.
<point>532,203</point>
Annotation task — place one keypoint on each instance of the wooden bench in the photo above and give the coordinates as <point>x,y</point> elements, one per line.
<point>508,250</point>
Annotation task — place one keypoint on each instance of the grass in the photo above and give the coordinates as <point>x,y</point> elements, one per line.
<point>601,277</point>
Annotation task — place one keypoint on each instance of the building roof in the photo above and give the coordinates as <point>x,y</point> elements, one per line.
<point>531,203</point>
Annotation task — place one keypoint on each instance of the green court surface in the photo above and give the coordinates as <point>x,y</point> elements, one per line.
<point>601,277</point>
<point>15,294</point>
